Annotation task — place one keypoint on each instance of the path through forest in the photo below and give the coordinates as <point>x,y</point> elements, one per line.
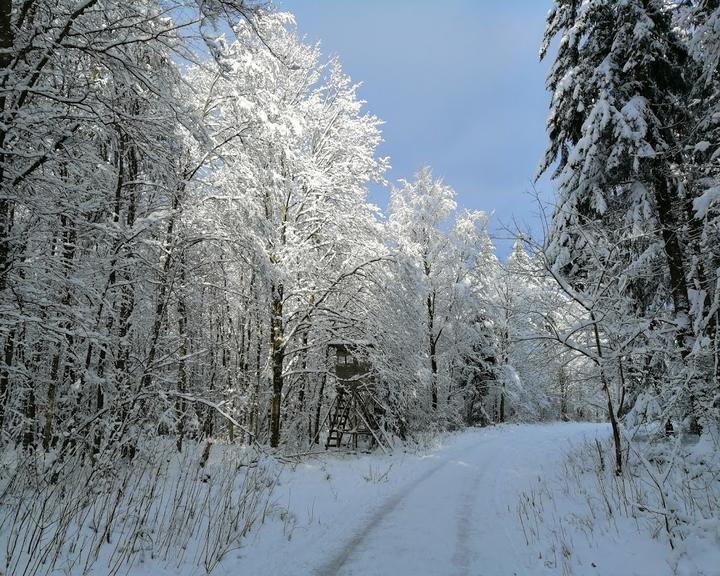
<point>459,516</point>
<point>452,512</point>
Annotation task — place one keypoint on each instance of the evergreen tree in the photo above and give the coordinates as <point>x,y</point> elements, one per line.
<point>619,122</point>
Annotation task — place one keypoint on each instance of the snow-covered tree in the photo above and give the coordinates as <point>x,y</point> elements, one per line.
<point>620,119</point>
<point>448,262</point>
<point>290,192</point>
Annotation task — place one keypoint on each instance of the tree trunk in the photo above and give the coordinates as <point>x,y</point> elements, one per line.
<point>127,291</point>
<point>678,280</point>
<point>502,402</point>
<point>30,416</point>
<point>69,236</point>
<point>182,367</point>
<point>9,352</point>
<point>318,407</point>
<point>304,381</point>
<point>6,216</point>
<point>162,297</point>
<point>277,354</point>
<point>674,258</point>
<point>606,389</point>
<point>432,349</point>
<point>258,375</point>
<point>563,395</point>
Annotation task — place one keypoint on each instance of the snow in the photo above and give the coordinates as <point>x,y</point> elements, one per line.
<point>508,500</point>
<point>451,510</point>
<point>703,203</point>
<point>659,518</point>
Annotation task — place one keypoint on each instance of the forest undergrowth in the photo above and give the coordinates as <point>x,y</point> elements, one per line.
<point>78,516</point>
<point>666,501</point>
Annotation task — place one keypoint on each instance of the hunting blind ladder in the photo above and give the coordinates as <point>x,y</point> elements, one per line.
<point>353,414</point>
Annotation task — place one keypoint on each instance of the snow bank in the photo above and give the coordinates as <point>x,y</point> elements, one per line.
<point>660,517</point>
<point>162,513</point>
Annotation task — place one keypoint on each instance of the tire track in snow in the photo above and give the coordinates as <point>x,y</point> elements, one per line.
<point>463,556</point>
<point>452,518</point>
<point>332,567</point>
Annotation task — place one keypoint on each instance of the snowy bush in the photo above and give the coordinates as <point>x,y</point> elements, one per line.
<point>178,511</point>
<point>661,516</point>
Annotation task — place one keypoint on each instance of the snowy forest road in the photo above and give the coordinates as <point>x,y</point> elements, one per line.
<point>458,515</point>
<point>449,511</point>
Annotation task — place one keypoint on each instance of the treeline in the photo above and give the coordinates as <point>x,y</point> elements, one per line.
<point>184,231</point>
<point>633,240</point>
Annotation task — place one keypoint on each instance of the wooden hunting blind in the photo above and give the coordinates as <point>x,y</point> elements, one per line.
<point>354,412</point>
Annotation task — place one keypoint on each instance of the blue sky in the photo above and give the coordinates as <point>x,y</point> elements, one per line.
<point>458,84</point>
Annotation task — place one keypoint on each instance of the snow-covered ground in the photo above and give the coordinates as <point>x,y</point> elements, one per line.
<point>513,500</point>
<point>451,511</point>
<point>660,517</point>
